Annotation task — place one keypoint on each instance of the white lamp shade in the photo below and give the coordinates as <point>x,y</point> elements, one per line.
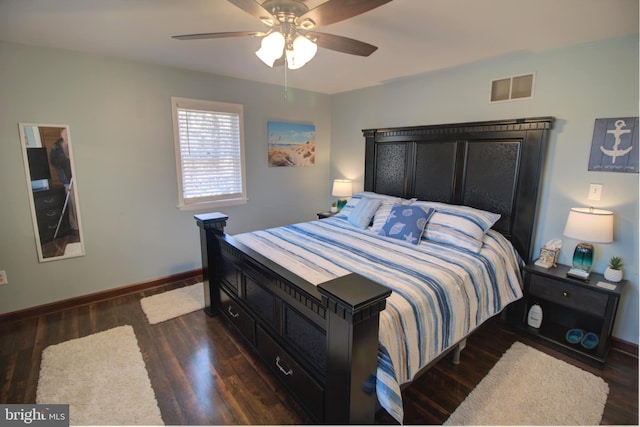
<point>342,188</point>
<point>590,225</point>
<point>271,48</point>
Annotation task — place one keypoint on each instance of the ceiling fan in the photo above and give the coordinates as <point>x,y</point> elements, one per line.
<point>291,38</point>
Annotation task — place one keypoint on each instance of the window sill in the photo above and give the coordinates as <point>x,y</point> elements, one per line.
<point>211,205</point>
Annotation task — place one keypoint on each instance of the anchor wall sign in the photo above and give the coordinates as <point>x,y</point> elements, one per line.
<point>614,147</point>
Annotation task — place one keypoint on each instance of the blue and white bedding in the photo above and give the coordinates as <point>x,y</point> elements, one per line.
<point>440,292</point>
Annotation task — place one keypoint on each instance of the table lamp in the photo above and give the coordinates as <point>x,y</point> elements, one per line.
<point>588,225</point>
<point>341,188</point>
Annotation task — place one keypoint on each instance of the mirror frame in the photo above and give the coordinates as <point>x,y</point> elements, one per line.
<point>54,198</point>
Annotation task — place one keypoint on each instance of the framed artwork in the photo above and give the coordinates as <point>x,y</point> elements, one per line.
<point>291,144</point>
<point>614,147</point>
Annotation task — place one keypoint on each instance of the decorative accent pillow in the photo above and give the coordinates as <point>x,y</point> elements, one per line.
<point>355,199</point>
<point>460,226</point>
<point>406,223</point>
<point>363,212</point>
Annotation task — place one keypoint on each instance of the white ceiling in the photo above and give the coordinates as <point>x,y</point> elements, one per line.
<point>413,36</point>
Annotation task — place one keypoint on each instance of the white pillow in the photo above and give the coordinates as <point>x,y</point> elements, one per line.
<point>460,226</point>
<point>355,199</point>
<point>363,212</point>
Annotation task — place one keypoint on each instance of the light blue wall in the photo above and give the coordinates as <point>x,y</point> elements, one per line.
<point>119,113</point>
<point>120,119</point>
<point>575,85</point>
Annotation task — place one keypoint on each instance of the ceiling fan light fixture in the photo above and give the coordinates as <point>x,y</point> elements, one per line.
<point>303,50</point>
<point>271,48</point>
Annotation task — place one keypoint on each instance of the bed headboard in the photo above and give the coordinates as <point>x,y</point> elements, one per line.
<point>494,166</point>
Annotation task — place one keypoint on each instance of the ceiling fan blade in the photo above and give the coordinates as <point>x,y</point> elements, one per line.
<point>218,35</point>
<point>334,11</point>
<point>254,8</point>
<point>342,44</point>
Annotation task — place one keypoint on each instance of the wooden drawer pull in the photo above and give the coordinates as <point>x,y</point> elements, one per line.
<point>231,313</point>
<point>287,372</point>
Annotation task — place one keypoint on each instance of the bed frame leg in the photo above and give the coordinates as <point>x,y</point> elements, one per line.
<point>455,356</point>
<point>211,224</point>
<point>353,305</point>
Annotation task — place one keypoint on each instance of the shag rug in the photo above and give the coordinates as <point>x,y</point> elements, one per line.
<point>167,305</point>
<point>103,379</point>
<point>528,387</point>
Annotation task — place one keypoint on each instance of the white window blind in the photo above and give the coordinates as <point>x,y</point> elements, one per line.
<point>209,153</point>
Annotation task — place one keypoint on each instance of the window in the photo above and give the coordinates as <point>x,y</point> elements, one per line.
<point>209,143</point>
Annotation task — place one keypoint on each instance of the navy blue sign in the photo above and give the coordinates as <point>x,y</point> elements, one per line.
<point>614,147</point>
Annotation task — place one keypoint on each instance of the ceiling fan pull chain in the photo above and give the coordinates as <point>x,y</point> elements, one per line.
<point>286,87</point>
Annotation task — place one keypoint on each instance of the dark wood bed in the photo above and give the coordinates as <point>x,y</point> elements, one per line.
<point>322,341</point>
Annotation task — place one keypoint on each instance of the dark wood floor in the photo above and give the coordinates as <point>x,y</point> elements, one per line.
<point>203,374</point>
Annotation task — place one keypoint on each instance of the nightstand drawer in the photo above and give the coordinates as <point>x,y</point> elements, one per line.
<point>568,295</point>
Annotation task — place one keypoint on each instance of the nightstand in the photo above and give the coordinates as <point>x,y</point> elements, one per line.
<point>569,303</point>
<point>327,214</point>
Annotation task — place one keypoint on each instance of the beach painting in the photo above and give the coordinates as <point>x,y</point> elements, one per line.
<point>291,144</point>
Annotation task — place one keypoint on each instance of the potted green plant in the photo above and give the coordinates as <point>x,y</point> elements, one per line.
<point>614,271</point>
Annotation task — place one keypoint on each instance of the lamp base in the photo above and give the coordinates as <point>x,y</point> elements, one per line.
<point>582,260</point>
<point>341,203</point>
<point>583,256</point>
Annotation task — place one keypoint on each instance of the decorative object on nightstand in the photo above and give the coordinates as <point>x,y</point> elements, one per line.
<point>588,225</point>
<point>341,188</point>
<point>614,272</point>
<point>535,316</point>
<point>549,254</point>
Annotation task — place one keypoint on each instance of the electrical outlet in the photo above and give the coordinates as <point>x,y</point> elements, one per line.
<point>3,278</point>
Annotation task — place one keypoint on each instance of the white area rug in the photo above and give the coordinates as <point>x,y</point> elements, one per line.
<point>177,302</point>
<point>528,387</point>
<point>103,379</point>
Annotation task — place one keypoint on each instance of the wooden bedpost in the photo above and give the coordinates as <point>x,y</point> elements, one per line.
<point>353,306</point>
<point>210,224</point>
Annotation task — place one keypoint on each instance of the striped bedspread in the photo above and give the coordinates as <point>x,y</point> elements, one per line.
<point>440,293</point>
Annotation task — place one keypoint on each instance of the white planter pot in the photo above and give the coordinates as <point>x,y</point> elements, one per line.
<point>613,275</point>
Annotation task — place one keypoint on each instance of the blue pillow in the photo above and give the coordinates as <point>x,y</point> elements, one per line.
<point>363,212</point>
<point>406,223</point>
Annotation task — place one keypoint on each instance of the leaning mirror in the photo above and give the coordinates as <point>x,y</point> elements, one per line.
<point>51,183</point>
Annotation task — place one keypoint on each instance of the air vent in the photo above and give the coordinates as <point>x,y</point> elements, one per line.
<point>512,88</point>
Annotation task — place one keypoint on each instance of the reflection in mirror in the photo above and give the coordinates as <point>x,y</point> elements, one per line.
<point>51,180</point>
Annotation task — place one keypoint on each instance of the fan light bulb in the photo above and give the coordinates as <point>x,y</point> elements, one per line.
<point>303,51</point>
<point>271,48</point>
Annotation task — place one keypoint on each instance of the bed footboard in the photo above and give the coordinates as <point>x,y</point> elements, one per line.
<point>320,341</point>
